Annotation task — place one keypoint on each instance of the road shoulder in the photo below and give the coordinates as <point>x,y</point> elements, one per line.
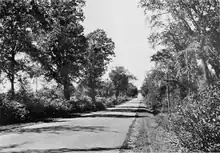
<point>149,134</point>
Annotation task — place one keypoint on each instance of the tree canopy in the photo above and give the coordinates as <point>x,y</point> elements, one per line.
<point>99,53</point>
<point>120,78</point>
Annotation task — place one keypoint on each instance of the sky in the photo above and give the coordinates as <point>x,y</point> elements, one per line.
<point>126,24</point>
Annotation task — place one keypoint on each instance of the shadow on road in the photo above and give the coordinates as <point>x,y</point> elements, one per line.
<point>116,115</point>
<point>122,112</point>
<point>64,128</point>
<point>60,150</point>
<point>12,146</point>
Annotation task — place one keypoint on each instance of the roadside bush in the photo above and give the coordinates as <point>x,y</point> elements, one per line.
<point>122,99</point>
<point>82,104</point>
<point>49,103</point>
<point>12,112</point>
<point>197,121</point>
<point>101,103</point>
<point>57,108</point>
<point>100,106</point>
<point>110,101</point>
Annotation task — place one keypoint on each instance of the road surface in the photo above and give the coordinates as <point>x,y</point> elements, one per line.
<point>103,131</point>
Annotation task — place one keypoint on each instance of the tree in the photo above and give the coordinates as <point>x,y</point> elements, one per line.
<point>120,78</point>
<point>153,81</point>
<point>132,90</point>
<point>191,31</point>
<point>16,19</point>
<point>100,53</point>
<point>61,46</point>
<point>106,88</point>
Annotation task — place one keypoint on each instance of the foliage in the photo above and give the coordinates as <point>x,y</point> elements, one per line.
<point>120,78</point>
<point>153,80</point>
<point>100,53</point>
<point>106,89</point>
<point>132,90</point>
<point>61,48</point>
<point>189,32</point>
<point>12,112</point>
<point>196,121</point>
<point>16,19</point>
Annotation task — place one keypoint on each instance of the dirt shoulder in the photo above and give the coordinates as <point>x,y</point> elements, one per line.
<point>149,134</point>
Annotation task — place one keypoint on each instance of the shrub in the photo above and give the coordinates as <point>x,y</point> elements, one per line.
<point>12,112</point>
<point>82,104</point>
<point>57,108</point>
<point>110,102</point>
<point>100,104</point>
<point>197,121</point>
<point>122,99</point>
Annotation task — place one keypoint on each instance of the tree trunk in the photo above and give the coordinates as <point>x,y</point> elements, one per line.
<point>116,94</point>
<point>168,93</point>
<point>12,75</point>
<point>93,94</point>
<point>66,85</point>
<point>205,68</point>
<point>12,91</point>
<point>217,71</point>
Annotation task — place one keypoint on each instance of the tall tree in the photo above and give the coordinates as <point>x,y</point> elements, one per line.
<point>189,29</point>
<point>100,53</point>
<point>62,45</point>
<point>120,78</point>
<point>15,21</point>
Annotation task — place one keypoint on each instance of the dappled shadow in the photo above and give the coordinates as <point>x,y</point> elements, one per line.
<point>11,146</point>
<point>137,115</point>
<point>123,112</point>
<point>131,107</point>
<point>15,127</point>
<point>129,110</point>
<point>64,128</point>
<point>60,150</point>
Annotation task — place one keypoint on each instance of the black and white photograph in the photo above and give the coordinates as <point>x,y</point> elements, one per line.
<point>109,76</point>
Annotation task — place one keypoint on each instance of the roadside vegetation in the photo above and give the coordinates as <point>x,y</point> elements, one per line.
<point>44,41</point>
<point>185,82</point>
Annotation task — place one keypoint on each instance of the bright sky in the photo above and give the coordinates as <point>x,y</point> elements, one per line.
<point>126,24</point>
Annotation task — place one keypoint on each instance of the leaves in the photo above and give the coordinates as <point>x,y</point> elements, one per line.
<point>120,78</point>
<point>199,121</point>
<point>186,27</point>
<point>100,51</point>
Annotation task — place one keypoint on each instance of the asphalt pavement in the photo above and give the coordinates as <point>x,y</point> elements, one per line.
<point>103,131</point>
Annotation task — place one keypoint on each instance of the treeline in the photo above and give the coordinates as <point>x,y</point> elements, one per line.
<point>186,76</point>
<point>41,38</point>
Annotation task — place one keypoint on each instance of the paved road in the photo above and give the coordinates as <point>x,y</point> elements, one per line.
<point>95,132</point>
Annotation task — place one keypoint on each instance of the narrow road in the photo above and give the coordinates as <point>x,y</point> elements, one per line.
<point>103,131</point>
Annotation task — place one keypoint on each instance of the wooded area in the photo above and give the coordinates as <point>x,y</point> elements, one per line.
<point>186,76</point>
<point>41,38</point>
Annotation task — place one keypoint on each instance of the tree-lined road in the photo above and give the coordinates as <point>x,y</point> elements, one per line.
<point>96,132</point>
